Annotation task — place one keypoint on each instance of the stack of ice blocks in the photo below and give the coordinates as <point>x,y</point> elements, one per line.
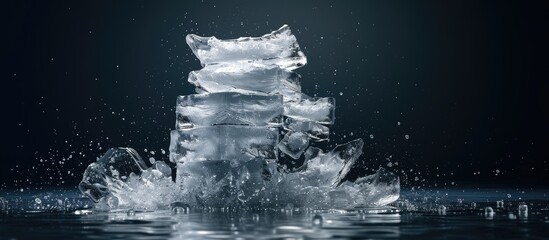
<point>246,95</point>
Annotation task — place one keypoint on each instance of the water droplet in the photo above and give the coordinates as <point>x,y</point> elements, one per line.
<point>407,136</point>
<point>38,201</point>
<point>317,221</point>
<point>340,93</point>
<point>372,136</point>
<point>152,160</point>
<point>130,212</point>
<point>474,205</point>
<point>255,217</point>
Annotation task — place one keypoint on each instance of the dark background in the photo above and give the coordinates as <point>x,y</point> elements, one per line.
<point>467,80</point>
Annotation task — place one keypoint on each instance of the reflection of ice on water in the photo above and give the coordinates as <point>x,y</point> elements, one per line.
<point>248,117</point>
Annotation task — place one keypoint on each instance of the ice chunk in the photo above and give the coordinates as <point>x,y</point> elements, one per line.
<point>379,189</point>
<point>294,144</point>
<point>279,47</point>
<point>227,108</point>
<point>331,168</point>
<point>223,142</point>
<point>247,78</point>
<point>315,130</point>
<point>116,165</point>
<point>321,110</point>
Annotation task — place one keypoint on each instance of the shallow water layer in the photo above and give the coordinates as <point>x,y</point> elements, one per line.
<point>450,214</point>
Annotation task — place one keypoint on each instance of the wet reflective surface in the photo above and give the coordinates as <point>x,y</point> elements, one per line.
<point>41,215</point>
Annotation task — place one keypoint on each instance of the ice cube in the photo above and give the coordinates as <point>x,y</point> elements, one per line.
<point>294,144</point>
<point>321,110</point>
<point>228,108</point>
<point>279,47</point>
<point>247,78</point>
<point>223,142</point>
<point>379,189</point>
<point>315,130</point>
<point>116,165</point>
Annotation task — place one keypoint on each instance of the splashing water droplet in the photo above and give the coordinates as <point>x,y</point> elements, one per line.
<point>317,221</point>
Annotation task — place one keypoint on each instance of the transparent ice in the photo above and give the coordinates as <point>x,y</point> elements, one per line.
<point>232,138</point>
<point>223,142</point>
<point>228,108</point>
<point>277,48</point>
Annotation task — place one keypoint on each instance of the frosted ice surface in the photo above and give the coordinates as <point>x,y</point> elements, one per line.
<point>223,142</point>
<point>314,130</point>
<point>116,165</point>
<point>228,108</point>
<point>279,47</point>
<point>294,144</point>
<point>247,78</point>
<point>321,110</point>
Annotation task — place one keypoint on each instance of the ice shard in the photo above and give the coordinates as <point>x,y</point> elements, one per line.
<point>228,108</point>
<point>294,144</point>
<point>378,189</point>
<point>223,142</point>
<point>314,130</point>
<point>279,48</point>
<point>320,110</point>
<point>248,78</point>
<point>116,165</point>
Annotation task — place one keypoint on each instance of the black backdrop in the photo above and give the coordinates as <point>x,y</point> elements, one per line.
<point>466,80</point>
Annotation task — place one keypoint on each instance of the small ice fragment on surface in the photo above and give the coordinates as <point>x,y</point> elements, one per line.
<point>489,211</point>
<point>441,210</point>
<point>499,204</point>
<point>523,210</point>
<point>317,221</point>
<point>115,166</point>
<point>248,78</point>
<point>130,212</point>
<point>315,130</point>
<point>321,110</point>
<point>228,108</point>
<point>279,47</point>
<point>223,142</point>
<point>294,144</point>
